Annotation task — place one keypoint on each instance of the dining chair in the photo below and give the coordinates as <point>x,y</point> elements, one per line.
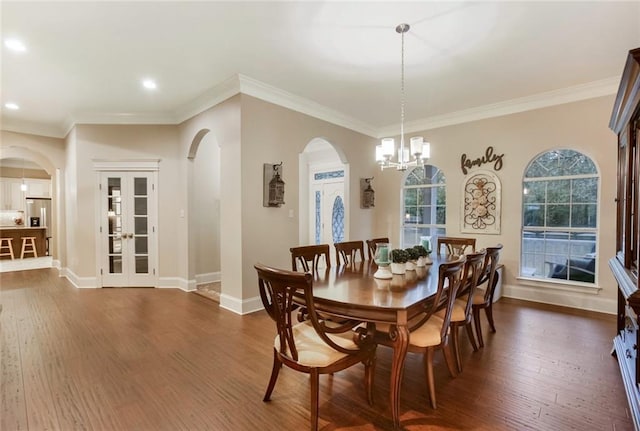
<point>311,346</point>
<point>429,332</point>
<point>461,315</point>
<point>346,252</point>
<point>373,243</point>
<point>483,298</point>
<point>456,246</point>
<point>309,256</point>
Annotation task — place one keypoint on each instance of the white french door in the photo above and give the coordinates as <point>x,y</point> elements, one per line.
<point>128,208</point>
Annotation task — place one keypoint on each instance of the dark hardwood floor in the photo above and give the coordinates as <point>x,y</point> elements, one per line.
<point>163,359</point>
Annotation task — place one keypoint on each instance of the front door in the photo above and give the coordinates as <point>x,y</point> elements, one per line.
<point>128,207</point>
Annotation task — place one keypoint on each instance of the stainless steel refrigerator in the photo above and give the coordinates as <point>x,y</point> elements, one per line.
<point>39,213</point>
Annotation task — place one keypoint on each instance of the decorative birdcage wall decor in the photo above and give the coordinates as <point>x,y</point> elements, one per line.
<point>273,185</point>
<point>367,194</point>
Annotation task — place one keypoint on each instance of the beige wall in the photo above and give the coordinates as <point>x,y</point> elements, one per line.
<point>272,134</point>
<point>251,132</point>
<point>122,142</point>
<point>521,137</point>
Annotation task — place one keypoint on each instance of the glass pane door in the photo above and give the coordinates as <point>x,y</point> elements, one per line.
<point>128,206</point>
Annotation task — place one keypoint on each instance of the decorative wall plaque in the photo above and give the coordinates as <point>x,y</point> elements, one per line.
<point>367,194</point>
<point>481,203</point>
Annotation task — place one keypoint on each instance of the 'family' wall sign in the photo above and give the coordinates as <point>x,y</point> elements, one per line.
<point>488,157</point>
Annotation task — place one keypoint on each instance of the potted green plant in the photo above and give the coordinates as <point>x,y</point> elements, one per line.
<point>413,258</point>
<point>423,256</point>
<point>399,260</point>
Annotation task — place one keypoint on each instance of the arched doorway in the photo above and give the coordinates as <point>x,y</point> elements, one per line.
<point>27,201</point>
<point>204,214</point>
<point>324,194</point>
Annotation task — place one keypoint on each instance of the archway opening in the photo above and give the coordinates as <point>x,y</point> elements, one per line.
<point>204,215</point>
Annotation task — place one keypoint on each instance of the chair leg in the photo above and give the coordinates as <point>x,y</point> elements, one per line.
<point>428,370</point>
<point>472,338</point>
<point>476,322</point>
<point>369,368</point>
<point>455,347</point>
<point>277,365</point>
<point>449,360</point>
<point>489,312</point>
<point>315,386</point>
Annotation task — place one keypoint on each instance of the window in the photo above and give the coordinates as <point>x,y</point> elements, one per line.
<point>424,208</point>
<point>559,217</point>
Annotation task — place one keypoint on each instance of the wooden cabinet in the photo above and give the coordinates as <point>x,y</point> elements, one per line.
<point>11,195</point>
<point>625,122</point>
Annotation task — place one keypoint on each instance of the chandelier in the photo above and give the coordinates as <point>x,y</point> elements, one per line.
<point>419,150</point>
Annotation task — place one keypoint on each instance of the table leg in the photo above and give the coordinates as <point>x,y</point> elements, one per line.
<point>400,337</point>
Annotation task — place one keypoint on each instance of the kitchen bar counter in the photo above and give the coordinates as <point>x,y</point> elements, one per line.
<point>17,232</point>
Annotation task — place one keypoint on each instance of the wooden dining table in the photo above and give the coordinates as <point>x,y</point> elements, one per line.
<point>352,292</point>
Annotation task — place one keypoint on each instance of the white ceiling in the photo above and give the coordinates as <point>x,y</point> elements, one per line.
<point>336,60</point>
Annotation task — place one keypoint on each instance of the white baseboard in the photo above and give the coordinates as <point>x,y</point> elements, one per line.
<point>240,306</point>
<point>79,282</point>
<point>210,277</point>
<point>563,298</point>
<point>177,283</point>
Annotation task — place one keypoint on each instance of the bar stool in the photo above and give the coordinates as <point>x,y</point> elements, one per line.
<point>6,243</point>
<point>28,246</point>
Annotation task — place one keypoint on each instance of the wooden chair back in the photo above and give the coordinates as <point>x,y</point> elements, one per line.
<point>281,292</point>
<point>373,243</point>
<point>450,278</point>
<point>307,258</point>
<point>456,246</point>
<point>490,272</point>
<point>347,251</point>
<point>473,268</point>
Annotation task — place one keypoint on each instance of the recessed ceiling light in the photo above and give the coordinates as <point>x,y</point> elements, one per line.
<point>11,105</point>
<point>15,45</point>
<point>149,84</point>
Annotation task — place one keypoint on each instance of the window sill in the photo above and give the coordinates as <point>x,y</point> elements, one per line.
<point>567,286</point>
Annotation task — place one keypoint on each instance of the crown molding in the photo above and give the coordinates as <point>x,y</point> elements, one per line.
<point>210,98</point>
<point>604,87</point>
<point>246,85</point>
<point>288,100</point>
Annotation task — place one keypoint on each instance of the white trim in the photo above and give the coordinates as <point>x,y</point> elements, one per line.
<point>79,282</point>
<point>590,301</point>
<point>176,283</point>
<point>126,165</point>
<point>240,306</point>
<point>268,93</point>
<point>209,277</point>
<point>246,85</point>
<point>576,93</point>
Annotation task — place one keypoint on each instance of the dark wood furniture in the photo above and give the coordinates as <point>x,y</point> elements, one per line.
<point>456,246</point>
<point>429,331</point>
<point>310,346</point>
<point>346,252</point>
<point>309,257</point>
<point>17,233</point>
<point>373,243</point>
<point>625,122</point>
<point>483,298</point>
<point>461,314</point>
<point>352,292</point>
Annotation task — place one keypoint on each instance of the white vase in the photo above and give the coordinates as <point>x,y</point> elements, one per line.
<point>410,265</point>
<point>421,262</point>
<point>398,268</point>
